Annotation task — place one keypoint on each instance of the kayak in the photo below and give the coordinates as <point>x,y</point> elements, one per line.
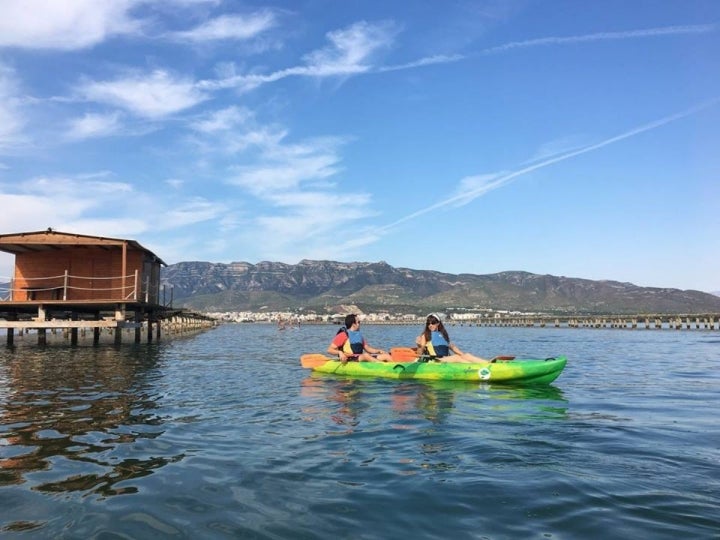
<point>517,371</point>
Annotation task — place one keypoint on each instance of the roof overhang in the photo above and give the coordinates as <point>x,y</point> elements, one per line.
<point>50,240</point>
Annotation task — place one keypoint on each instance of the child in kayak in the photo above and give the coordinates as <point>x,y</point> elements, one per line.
<point>349,344</point>
<point>435,343</point>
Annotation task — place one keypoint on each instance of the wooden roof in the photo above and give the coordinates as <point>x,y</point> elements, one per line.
<point>50,240</point>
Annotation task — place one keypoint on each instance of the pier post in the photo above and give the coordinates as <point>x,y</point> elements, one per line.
<point>138,320</point>
<point>74,330</point>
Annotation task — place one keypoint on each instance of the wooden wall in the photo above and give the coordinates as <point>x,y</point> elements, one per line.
<point>85,265</point>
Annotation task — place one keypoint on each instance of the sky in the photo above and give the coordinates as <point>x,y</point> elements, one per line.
<point>576,139</point>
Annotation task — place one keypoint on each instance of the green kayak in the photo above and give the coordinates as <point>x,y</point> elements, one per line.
<point>518,371</point>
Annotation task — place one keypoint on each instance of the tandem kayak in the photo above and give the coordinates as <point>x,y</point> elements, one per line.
<point>517,371</point>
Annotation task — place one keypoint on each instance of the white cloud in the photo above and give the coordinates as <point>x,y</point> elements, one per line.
<point>70,187</point>
<point>151,95</point>
<point>230,27</point>
<point>222,120</point>
<point>63,24</point>
<point>175,183</point>
<point>311,228</point>
<point>186,3</point>
<point>298,202</point>
<point>94,125</point>
<point>194,211</point>
<point>349,52</point>
<point>11,120</point>
<point>80,204</point>
<point>120,227</point>
<point>21,211</point>
<point>472,187</point>
<point>64,203</point>
<point>265,180</point>
<point>350,49</point>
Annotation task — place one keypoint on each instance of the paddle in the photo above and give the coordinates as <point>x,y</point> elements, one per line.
<point>399,354</point>
<point>403,354</point>
<point>409,354</point>
<point>313,360</point>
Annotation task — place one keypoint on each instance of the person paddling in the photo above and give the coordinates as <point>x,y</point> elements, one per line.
<point>435,343</point>
<point>349,344</point>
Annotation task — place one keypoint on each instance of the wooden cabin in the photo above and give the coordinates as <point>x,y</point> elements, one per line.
<point>57,267</point>
<point>75,281</point>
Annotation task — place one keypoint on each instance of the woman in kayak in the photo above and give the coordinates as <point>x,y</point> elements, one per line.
<point>349,344</point>
<point>435,343</point>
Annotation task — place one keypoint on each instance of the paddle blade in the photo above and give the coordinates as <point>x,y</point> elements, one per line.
<point>314,360</point>
<point>403,354</point>
<point>503,358</point>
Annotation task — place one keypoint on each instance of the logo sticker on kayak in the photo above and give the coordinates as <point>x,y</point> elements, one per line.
<point>484,373</point>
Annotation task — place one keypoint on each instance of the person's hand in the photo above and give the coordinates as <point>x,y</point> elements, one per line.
<point>343,357</point>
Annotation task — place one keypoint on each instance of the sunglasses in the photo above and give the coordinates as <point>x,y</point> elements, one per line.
<point>433,322</point>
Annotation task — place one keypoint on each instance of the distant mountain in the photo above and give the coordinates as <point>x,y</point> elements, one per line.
<point>322,285</point>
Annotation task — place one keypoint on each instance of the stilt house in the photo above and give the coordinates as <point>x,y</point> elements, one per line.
<point>57,267</point>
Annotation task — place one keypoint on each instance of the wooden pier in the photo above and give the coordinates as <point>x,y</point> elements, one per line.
<point>703,321</point>
<point>75,320</point>
<point>706,321</point>
<point>71,283</point>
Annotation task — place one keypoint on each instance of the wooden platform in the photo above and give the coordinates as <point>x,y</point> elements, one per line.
<point>96,315</point>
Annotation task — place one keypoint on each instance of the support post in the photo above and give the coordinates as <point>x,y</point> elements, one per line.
<point>137,319</point>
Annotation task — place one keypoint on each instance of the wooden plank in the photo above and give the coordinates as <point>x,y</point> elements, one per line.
<point>64,324</point>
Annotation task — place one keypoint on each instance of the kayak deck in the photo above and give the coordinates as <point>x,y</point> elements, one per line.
<point>519,371</point>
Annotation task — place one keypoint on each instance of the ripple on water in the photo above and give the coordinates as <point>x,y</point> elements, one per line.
<point>224,435</point>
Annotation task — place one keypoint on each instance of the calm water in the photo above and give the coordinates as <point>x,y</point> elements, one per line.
<point>223,435</point>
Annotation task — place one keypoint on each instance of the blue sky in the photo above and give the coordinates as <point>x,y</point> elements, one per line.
<point>569,138</point>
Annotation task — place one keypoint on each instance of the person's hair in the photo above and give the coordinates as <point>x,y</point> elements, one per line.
<point>432,319</point>
<point>350,320</point>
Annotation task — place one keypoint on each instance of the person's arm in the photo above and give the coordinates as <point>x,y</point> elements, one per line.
<point>373,350</point>
<point>335,348</point>
<point>420,342</point>
<point>455,349</point>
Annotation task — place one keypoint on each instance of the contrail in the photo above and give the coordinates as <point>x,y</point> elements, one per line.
<point>472,194</point>
<point>602,36</point>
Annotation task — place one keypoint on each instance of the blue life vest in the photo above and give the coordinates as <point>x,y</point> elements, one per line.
<point>355,344</point>
<point>438,345</point>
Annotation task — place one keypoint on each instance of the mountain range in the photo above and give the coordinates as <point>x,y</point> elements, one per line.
<point>323,285</point>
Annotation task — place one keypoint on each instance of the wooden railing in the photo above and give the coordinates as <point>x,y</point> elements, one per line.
<point>71,287</point>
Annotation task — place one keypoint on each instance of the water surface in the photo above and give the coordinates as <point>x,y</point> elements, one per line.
<point>224,435</point>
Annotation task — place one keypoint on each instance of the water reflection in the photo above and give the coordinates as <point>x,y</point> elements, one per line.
<point>349,397</point>
<point>343,396</point>
<point>67,414</point>
<point>431,401</point>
